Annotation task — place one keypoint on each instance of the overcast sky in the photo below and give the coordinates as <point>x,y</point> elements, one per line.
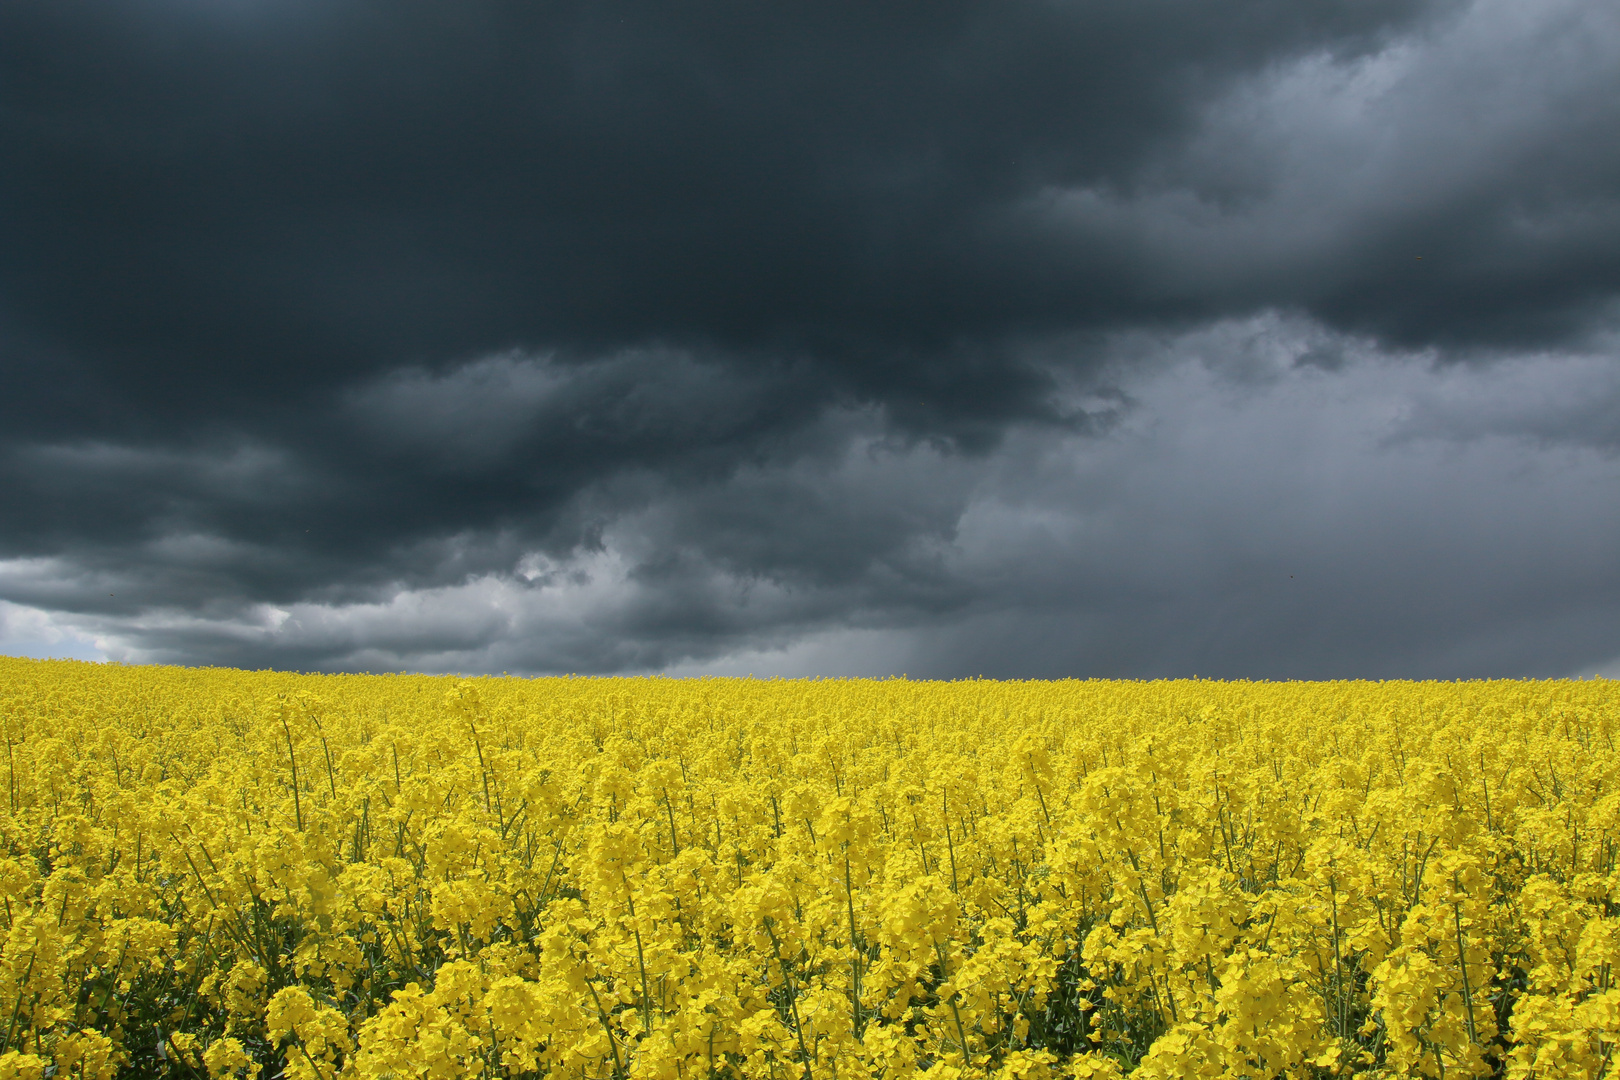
<point>1248,338</point>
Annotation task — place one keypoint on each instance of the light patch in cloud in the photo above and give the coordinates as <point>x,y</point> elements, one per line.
<point>584,615</point>
<point>837,653</point>
<point>1279,527</point>
<point>477,411</point>
<point>1325,160</point>
<point>1569,400</point>
<point>31,631</point>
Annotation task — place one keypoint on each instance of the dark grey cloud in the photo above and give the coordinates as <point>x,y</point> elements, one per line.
<point>611,336</point>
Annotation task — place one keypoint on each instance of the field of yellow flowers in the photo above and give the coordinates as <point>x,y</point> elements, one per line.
<point>213,872</point>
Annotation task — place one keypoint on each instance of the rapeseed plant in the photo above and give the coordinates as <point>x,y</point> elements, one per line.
<point>230,874</point>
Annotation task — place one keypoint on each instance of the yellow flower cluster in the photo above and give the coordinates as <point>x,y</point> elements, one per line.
<point>229,874</point>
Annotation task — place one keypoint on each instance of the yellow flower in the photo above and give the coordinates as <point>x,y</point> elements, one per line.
<point>404,876</point>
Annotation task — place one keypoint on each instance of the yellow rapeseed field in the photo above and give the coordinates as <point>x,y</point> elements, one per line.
<point>211,872</point>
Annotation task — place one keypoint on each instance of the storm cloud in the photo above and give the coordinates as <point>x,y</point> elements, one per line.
<point>1170,338</point>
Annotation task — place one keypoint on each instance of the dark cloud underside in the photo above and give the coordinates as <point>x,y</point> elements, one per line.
<point>350,304</point>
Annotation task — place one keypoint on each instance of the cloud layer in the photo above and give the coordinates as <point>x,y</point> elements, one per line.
<point>1044,341</point>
